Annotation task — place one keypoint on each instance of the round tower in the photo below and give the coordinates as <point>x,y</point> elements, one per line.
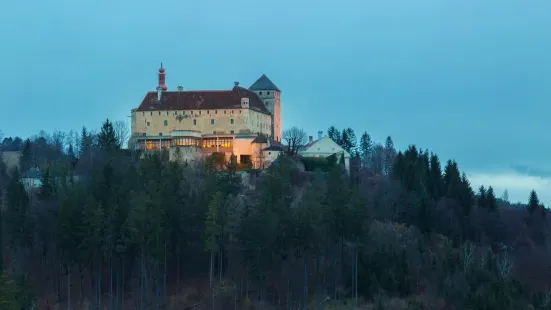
<point>162,84</point>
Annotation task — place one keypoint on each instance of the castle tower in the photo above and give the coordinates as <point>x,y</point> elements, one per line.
<point>162,84</point>
<point>270,95</point>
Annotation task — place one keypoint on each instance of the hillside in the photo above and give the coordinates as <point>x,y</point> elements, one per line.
<point>401,231</point>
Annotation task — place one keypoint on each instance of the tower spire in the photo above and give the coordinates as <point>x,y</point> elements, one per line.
<point>162,84</point>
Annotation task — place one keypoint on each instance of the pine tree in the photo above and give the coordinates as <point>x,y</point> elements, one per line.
<point>533,202</point>
<point>334,134</point>
<point>26,160</point>
<point>107,138</point>
<point>490,202</point>
<point>47,186</point>
<point>366,150</point>
<point>17,217</point>
<point>389,154</point>
<point>435,181</point>
<point>481,199</point>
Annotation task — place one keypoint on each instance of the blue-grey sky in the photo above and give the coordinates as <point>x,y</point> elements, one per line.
<point>469,79</point>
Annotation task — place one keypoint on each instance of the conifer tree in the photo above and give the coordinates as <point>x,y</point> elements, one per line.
<point>490,200</point>
<point>435,181</point>
<point>533,202</point>
<point>107,138</point>
<point>481,199</point>
<point>365,150</point>
<point>26,160</point>
<point>334,134</point>
<point>389,153</point>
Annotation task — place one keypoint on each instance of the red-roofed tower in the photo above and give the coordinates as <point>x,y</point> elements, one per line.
<point>162,84</point>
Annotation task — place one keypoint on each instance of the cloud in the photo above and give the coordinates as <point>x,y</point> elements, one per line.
<point>517,184</point>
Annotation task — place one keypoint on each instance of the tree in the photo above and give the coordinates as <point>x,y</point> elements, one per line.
<point>490,202</point>
<point>505,196</point>
<point>26,159</point>
<point>481,200</point>
<point>107,138</point>
<point>389,153</point>
<point>335,135</point>
<point>295,138</point>
<point>365,150</point>
<point>349,141</point>
<point>122,132</point>
<point>533,202</point>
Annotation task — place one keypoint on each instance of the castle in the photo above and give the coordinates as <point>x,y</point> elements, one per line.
<point>191,124</point>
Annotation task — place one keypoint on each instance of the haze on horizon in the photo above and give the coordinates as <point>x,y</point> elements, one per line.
<point>469,80</point>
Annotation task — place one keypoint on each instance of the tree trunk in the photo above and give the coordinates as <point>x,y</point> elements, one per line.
<point>211,268</point>
<point>68,287</point>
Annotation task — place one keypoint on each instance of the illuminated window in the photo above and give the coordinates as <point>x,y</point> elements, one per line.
<point>185,142</point>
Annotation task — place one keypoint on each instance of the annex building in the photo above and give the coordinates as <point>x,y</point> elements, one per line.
<point>190,124</point>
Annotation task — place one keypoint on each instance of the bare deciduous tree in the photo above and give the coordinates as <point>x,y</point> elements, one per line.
<point>504,264</point>
<point>122,132</point>
<point>295,138</point>
<point>468,255</point>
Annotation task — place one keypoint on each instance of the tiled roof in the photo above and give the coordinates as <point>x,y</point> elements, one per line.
<point>202,100</point>
<point>277,148</point>
<point>264,83</point>
<point>260,139</point>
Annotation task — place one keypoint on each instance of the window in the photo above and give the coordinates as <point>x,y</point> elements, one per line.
<point>231,121</point>
<point>212,121</point>
<point>224,111</point>
<point>269,153</point>
<point>148,123</point>
<point>214,132</point>
<point>166,122</point>
<point>160,134</point>
<point>143,113</point>
<point>166,112</point>
<point>208,112</point>
<point>232,132</point>
<point>268,93</point>
<point>260,93</point>
<point>194,122</point>
<point>159,112</point>
<point>199,112</point>
<point>239,111</point>
<point>144,134</point>
<point>215,111</point>
<point>186,142</point>
<point>151,113</point>
<point>231,111</point>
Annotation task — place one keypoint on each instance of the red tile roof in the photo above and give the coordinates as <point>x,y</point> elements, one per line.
<point>202,100</point>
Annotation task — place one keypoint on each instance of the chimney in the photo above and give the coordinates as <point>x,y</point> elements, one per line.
<point>320,134</point>
<point>310,139</point>
<point>180,88</point>
<point>159,93</point>
<point>236,83</point>
<point>162,84</point>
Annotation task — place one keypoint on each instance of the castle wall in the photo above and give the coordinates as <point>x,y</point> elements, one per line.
<point>155,123</point>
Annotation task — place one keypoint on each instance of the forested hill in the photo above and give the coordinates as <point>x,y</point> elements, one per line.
<point>111,229</point>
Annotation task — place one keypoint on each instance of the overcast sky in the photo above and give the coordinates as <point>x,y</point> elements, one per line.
<point>468,79</point>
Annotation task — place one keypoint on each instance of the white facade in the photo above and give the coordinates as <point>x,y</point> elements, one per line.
<point>325,147</point>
